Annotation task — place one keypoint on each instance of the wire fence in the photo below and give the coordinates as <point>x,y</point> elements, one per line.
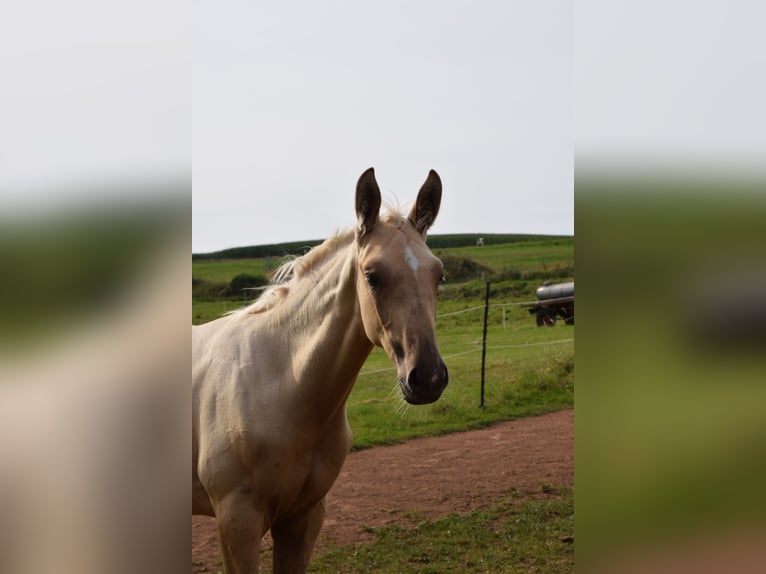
<point>480,345</point>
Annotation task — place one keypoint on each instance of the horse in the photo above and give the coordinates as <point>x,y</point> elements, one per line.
<point>270,381</point>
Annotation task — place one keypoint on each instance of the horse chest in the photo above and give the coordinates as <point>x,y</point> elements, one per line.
<point>292,481</point>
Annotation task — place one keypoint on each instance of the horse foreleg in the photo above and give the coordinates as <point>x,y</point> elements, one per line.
<point>294,540</point>
<point>240,528</point>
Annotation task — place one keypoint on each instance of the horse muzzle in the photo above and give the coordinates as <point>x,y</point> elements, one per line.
<point>424,385</point>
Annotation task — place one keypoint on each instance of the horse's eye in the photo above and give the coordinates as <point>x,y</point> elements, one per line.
<point>372,279</point>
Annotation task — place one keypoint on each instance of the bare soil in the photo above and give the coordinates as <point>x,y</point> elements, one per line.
<point>430,477</point>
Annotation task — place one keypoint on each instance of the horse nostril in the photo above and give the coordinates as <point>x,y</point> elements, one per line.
<point>439,377</point>
<point>424,385</point>
<point>412,377</point>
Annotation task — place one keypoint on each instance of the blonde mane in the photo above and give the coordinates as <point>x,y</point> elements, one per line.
<point>287,279</point>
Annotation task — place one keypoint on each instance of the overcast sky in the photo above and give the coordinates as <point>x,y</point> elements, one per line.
<point>292,102</point>
<point>670,83</point>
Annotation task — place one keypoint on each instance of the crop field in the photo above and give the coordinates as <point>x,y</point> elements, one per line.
<point>529,371</point>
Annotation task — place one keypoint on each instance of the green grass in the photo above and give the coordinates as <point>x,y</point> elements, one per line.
<point>204,311</point>
<point>224,270</point>
<point>523,256</point>
<point>670,421</point>
<point>520,533</point>
<point>519,381</point>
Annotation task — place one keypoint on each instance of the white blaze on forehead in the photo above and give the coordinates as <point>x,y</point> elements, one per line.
<point>410,258</point>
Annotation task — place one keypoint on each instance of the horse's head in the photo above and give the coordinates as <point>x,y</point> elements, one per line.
<point>397,282</point>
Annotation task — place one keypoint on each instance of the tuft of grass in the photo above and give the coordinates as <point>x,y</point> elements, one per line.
<point>511,536</point>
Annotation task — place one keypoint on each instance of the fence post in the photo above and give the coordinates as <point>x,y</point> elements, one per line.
<point>484,343</point>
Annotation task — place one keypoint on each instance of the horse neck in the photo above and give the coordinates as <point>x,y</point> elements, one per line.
<point>327,339</point>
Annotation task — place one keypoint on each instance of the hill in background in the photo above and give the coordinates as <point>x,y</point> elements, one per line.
<point>515,264</point>
<point>301,247</point>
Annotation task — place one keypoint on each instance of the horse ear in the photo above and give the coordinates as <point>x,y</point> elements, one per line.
<point>367,202</point>
<point>427,204</point>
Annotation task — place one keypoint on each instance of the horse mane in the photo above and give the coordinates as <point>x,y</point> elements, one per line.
<point>287,278</point>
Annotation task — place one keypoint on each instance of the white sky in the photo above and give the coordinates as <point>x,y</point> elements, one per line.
<point>94,96</point>
<point>680,83</point>
<point>292,101</point>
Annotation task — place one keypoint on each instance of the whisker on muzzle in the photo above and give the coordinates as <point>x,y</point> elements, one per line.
<point>401,407</point>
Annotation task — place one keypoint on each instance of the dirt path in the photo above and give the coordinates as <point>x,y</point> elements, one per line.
<point>431,477</point>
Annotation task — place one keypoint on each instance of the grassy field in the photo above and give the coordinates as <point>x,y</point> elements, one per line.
<point>515,535</point>
<point>529,371</point>
<point>522,256</point>
<point>516,269</point>
<point>224,270</point>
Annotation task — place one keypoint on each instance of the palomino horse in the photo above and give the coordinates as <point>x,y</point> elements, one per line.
<point>270,382</point>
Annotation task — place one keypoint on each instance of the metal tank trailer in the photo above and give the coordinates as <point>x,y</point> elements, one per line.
<point>553,300</point>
